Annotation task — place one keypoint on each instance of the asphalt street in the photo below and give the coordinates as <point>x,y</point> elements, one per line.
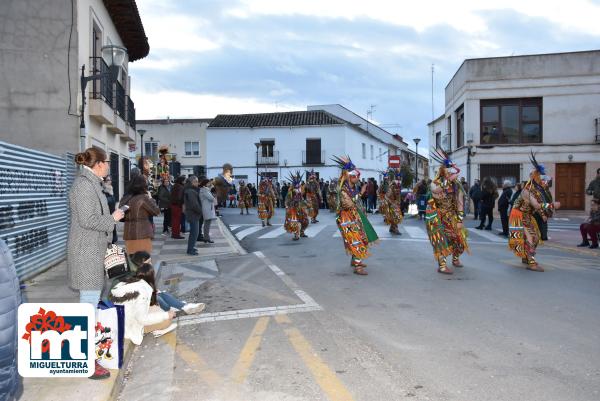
<point>289,321</point>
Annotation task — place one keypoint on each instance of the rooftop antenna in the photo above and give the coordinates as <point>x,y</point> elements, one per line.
<point>370,114</point>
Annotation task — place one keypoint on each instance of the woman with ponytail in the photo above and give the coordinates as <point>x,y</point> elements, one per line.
<point>90,231</point>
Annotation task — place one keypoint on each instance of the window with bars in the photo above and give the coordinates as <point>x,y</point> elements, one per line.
<point>511,121</point>
<point>501,172</point>
<point>150,149</point>
<point>460,127</point>
<point>192,148</point>
<point>364,151</point>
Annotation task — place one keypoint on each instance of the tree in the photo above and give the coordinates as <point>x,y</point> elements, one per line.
<point>408,175</point>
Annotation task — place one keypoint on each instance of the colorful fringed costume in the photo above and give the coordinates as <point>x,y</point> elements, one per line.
<point>266,201</point>
<point>312,194</point>
<point>355,228</point>
<point>332,194</point>
<point>524,234</point>
<point>444,215</point>
<point>296,217</point>
<point>390,200</point>
<point>244,198</point>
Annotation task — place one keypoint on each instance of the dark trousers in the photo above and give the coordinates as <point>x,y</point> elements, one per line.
<point>194,229</point>
<point>175,220</point>
<point>476,208</point>
<point>542,225</point>
<point>167,219</point>
<point>200,224</point>
<point>504,219</point>
<point>325,203</point>
<point>487,211</point>
<point>591,230</point>
<point>182,222</point>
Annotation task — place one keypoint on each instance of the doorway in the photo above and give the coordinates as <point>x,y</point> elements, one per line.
<point>570,185</point>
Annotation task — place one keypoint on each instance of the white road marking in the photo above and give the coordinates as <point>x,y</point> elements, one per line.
<point>314,229</point>
<point>416,232</point>
<point>247,231</point>
<point>273,233</point>
<point>488,235</point>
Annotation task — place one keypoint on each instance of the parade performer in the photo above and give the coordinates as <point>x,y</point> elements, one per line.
<point>222,184</point>
<point>266,200</point>
<point>296,218</point>
<point>524,234</point>
<point>332,194</point>
<point>445,214</point>
<point>312,194</point>
<point>356,230</point>
<point>391,201</point>
<point>162,169</point>
<point>244,198</point>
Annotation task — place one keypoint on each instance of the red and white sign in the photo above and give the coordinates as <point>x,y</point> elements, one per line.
<point>394,161</point>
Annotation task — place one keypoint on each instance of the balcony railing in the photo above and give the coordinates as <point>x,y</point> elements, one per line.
<point>130,113</point>
<point>101,87</point>
<point>269,159</point>
<point>313,158</point>
<point>120,100</point>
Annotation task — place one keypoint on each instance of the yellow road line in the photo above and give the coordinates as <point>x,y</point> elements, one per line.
<point>325,377</point>
<point>208,375</point>
<point>242,366</point>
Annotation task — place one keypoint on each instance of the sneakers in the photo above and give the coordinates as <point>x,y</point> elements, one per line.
<point>159,333</point>
<point>100,373</point>
<point>190,309</point>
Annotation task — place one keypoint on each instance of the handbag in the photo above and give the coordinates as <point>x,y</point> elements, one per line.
<point>115,261</point>
<point>109,334</point>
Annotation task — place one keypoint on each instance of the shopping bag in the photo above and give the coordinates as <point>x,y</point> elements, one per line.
<point>110,333</point>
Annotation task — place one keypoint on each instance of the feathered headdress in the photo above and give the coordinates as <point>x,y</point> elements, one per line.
<point>296,179</point>
<point>441,157</point>
<point>346,164</point>
<point>312,174</point>
<point>539,167</point>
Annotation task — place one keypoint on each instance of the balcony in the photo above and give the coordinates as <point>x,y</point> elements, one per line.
<point>312,158</point>
<point>101,93</point>
<point>130,112</point>
<point>268,159</point>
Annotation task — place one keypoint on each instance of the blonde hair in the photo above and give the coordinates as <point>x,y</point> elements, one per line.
<point>90,157</point>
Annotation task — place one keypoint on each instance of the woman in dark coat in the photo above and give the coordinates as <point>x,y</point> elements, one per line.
<point>489,193</point>
<point>139,231</point>
<point>176,207</point>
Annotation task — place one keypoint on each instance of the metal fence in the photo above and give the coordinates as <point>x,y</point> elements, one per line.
<point>34,210</point>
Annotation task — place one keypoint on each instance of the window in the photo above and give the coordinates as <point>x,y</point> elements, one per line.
<point>267,147</point>
<point>460,127</point>
<point>380,153</point>
<point>501,172</point>
<point>511,121</point>
<point>448,137</point>
<point>150,149</point>
<point>364,151</point>
<point>313,151</point>
<point>438,140</point>
<point>192,148</point>
<point>371,152</point>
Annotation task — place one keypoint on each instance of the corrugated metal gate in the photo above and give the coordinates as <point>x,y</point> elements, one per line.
<point>34,210</point>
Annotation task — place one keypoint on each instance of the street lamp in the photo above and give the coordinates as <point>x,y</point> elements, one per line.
<point>142,132</point>
<point>469,154</point>
<point>257,144</point>
<point>114,56</point>
<point>416,140</point>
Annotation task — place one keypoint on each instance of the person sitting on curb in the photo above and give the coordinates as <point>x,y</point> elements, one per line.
<point>165,300</point>
<point>591,227</point>
<point>142,313</point>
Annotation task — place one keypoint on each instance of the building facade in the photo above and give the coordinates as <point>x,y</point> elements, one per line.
<point>276,144</point>
<point>498,110</point>
<point>186,139</point>
<point>40,86</point>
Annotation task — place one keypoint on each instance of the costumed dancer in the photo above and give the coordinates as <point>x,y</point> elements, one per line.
<point>392,199</point>
<point>445,214</point>
<point>312,194</point>
<point>332,194</point>
<point>222,184</point>
<point>296,217</point>
<point>381,191</point>
<point>524,234</point>
<point>356,230</point>
<point>244,198</point>
<point>266,201</point>
<point>162,169</point>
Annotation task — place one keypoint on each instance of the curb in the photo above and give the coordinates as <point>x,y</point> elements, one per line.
<point>128,349</point>
<point>231,238</point>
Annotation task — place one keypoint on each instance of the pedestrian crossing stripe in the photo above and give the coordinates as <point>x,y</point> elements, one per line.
<point>488,235</point>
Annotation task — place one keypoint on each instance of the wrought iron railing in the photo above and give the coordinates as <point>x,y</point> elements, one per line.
<point>101,88</point>
<point>312,158</point>
<point>120,100</point>
<point>268,159</point>
<point>130,112</point>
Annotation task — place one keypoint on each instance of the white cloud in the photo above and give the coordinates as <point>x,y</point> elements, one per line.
<point>176,104</point>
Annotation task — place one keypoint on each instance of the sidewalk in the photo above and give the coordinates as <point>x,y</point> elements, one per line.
<point>170,259</point>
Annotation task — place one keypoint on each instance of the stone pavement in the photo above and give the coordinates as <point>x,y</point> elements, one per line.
<point>176,271</point>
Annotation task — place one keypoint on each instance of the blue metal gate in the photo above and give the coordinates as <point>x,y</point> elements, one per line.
<point>34,210</point>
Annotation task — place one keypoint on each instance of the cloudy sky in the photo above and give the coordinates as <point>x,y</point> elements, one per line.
<point>244,56</point>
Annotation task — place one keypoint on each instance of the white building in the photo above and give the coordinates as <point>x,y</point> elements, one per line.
<point>186,139</point>
<point>279,143</point>
<point>40,83</point>
<point>505,107</point>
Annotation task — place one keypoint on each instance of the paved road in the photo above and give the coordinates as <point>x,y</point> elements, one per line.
<point>289,321</point>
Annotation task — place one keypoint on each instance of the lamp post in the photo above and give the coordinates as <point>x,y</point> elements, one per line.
<point>416,140</point>
<point>257,144</point>
<point>114,56</point>
<point>469,154</point>
<point>142,132</point>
